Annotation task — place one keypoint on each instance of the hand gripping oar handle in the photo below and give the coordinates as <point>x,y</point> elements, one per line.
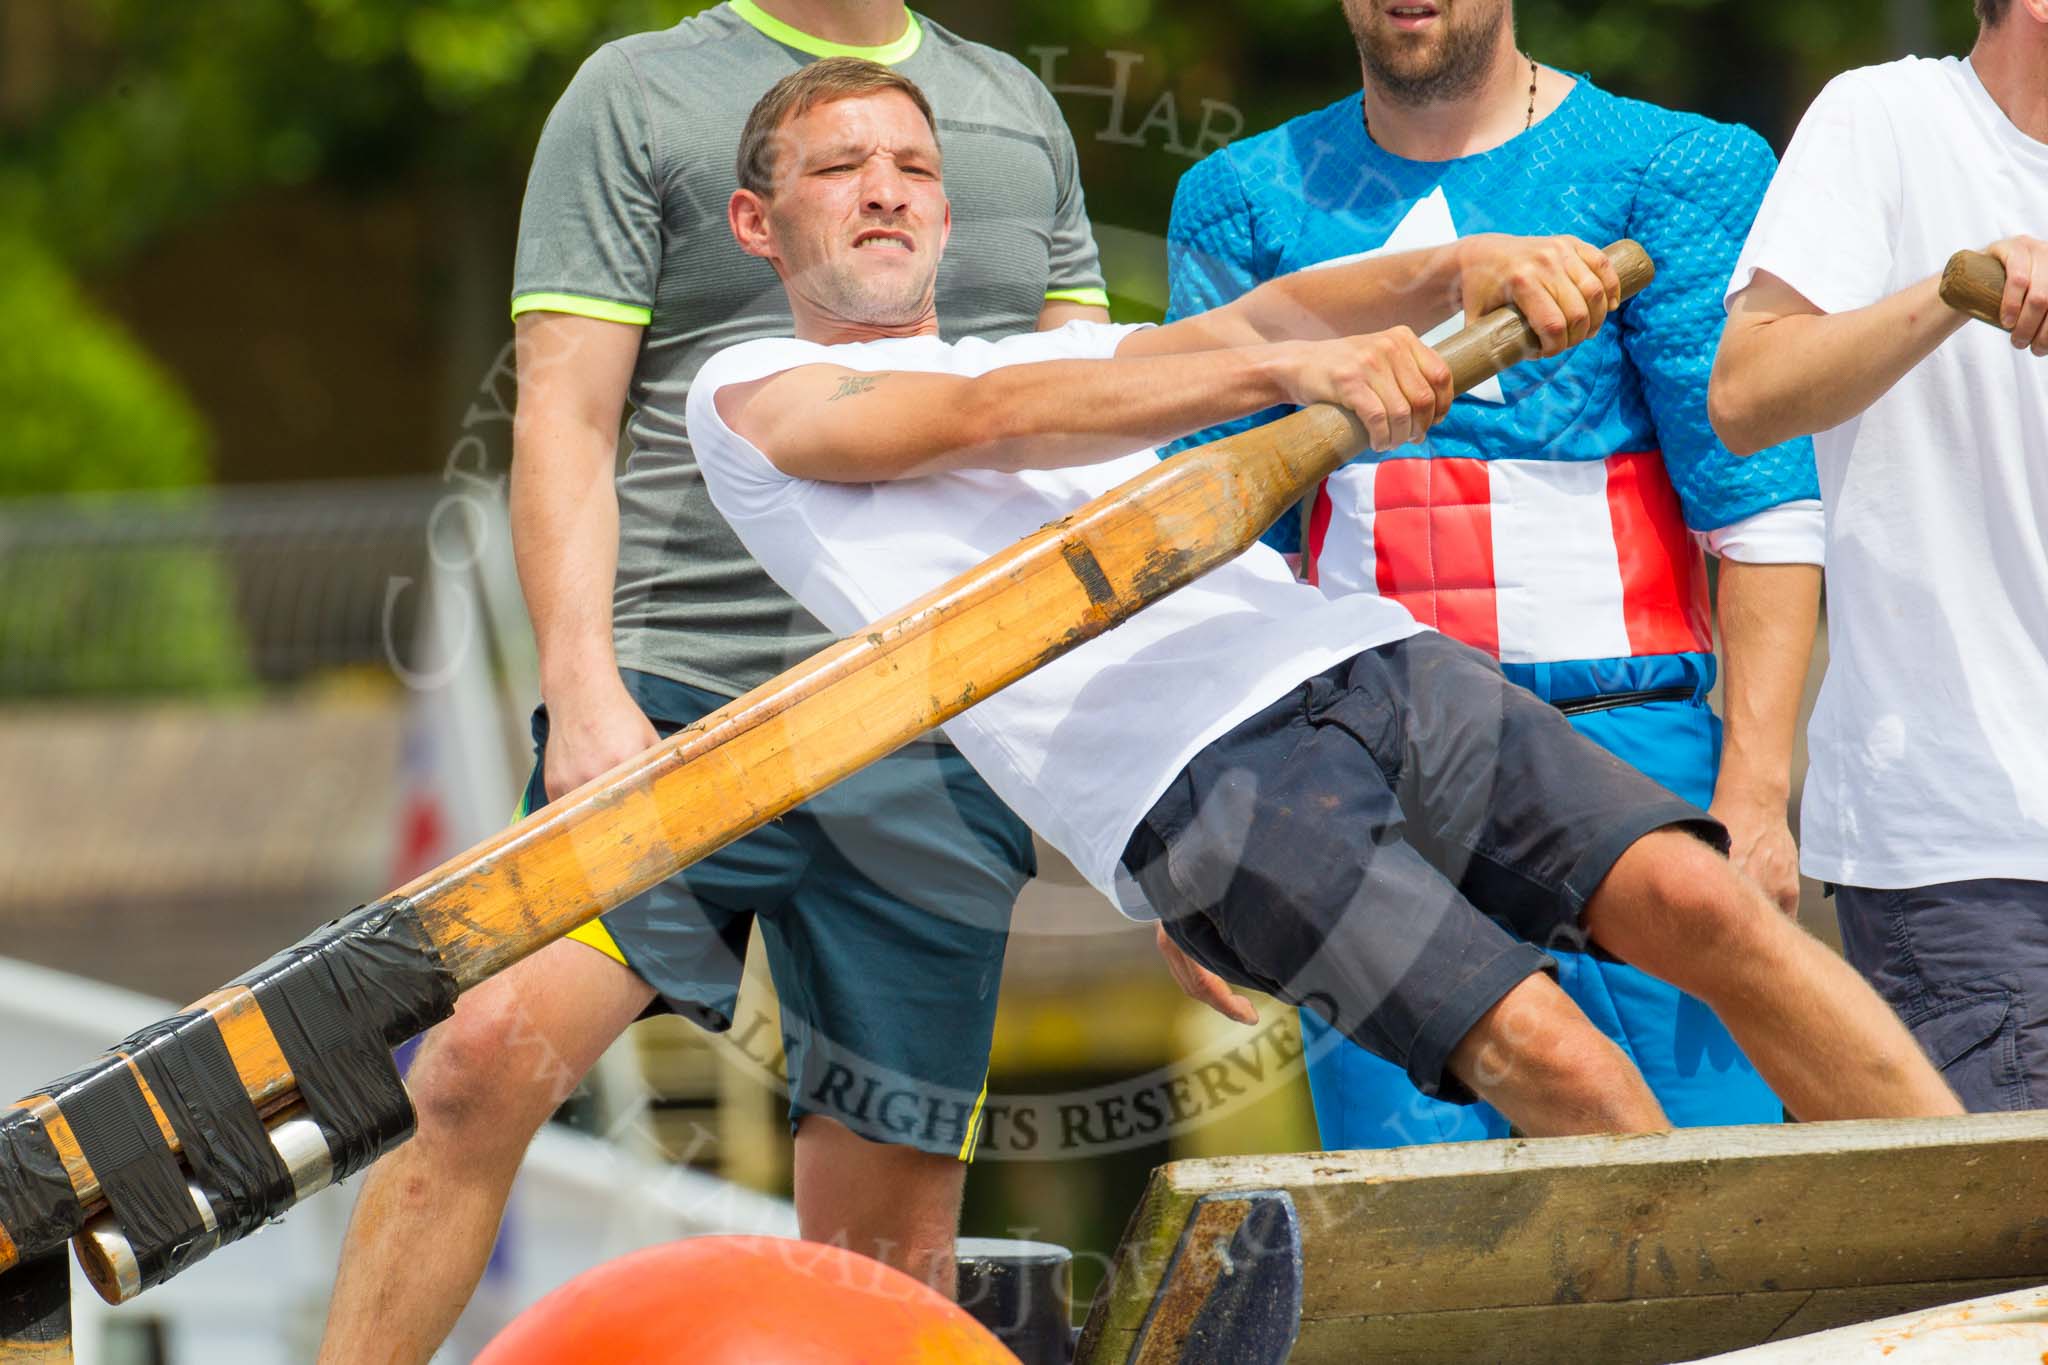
<point>1973,282</point>
<point>1503,337</point>
<point>381,974</point>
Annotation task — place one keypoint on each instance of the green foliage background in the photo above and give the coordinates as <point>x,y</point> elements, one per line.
<point>83,409</point>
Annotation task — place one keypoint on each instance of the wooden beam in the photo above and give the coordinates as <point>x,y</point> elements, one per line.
<point>2008,1324</point>
<point>1655,1247</point>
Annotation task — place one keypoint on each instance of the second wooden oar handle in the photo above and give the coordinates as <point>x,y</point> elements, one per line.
<point>1974,283</point>
<point>1504,337</point>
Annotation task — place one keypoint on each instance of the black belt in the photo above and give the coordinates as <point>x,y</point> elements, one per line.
<point>1611,701</point>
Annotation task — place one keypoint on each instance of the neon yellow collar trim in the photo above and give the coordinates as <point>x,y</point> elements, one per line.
<point>888,54</point>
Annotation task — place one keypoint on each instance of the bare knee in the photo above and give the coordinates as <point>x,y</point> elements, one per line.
<point>1537,1058</point>
<point>486,1078</point>
<point>1677,909</point>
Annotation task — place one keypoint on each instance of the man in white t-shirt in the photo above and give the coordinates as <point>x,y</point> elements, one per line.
<point>1319,798</point>
<point>1926,804</point>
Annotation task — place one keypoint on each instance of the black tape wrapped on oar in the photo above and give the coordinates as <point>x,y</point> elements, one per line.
<point>189,1070</point>
<point>337,1003</point>
<point>140,1176</point>
<point>36,1197</point>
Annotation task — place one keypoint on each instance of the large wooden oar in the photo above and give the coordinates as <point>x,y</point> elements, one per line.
<point>295,1034</point>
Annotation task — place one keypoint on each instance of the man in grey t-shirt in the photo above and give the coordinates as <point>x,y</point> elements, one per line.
<point>884,903</point>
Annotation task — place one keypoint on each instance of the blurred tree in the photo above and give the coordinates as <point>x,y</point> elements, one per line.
<point>83,409</point>
<point>71,382</point>
<point>177,108</point>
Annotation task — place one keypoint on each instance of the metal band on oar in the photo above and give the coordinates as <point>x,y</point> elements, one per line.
<point>302,1043</point>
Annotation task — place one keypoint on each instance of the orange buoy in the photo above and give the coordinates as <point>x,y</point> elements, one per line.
<point>745,1301</point>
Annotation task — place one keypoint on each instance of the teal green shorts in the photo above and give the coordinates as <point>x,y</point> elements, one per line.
<point>884,906</point>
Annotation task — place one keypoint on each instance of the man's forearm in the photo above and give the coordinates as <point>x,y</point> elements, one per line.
<point>1782,375</point>
<point>1563,286</point>
<point>1068,413</point>
<point>1768,615</point>
<point>820,422</point>
<point>1416,289</point>
<point>565,536</point>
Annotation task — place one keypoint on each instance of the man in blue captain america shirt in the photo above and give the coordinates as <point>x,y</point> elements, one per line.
<point>1551,519</point>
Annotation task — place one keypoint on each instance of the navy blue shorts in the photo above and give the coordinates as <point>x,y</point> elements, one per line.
<point>1965,964</point>
<point>884,906</point>
<point>1394,845</point>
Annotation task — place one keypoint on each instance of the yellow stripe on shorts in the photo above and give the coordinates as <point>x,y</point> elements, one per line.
<point>593,934</point>
<point>974,1122</point>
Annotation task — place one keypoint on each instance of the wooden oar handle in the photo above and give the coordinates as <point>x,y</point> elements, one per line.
<point>1504,337</point>
<point>1974,283</point>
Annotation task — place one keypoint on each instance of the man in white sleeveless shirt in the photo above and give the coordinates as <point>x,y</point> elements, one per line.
<point>1319,798</point>
<point>1926,805</point>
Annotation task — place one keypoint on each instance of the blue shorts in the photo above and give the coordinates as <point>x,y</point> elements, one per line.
<point>884,906</point>
<point>1685,1054</point>
<point>1965,964</point>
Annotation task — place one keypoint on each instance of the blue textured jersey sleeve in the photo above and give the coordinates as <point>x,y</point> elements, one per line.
<point>1210,261</point>
<point>1698,198</point>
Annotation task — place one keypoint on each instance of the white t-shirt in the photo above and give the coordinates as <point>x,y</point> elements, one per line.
<point>1083,747</point>
<point>1929,744</point>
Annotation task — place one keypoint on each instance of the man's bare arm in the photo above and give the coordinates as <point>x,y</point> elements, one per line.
<point>1788,369</point>
<point>1564,286</point>
<point>573,377</point>
<point>829,423</point>
<point>1768,616</point>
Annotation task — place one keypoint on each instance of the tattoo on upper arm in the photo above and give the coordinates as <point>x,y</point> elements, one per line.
<point>853,384</point>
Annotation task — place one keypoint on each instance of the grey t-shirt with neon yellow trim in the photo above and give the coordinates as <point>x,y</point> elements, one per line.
<point>625,220</point>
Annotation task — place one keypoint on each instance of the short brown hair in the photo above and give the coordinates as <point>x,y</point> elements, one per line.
<point>822,82</point>
<point>1990,12</point>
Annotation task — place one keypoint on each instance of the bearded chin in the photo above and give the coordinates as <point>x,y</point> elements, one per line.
<point>1452,70</point>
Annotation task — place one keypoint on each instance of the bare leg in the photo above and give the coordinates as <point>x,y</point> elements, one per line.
<point>1535,1057</point>
<point>483,1083</point>
<point>896,1204</point>
<point>1823,1039</point>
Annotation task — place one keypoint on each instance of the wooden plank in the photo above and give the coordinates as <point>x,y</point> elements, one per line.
<point>1831,1309</point>
<point>1709,1238</point>
<point>1137,1271</point>
<point>2005,1325</point>
<point>1642,1332</point>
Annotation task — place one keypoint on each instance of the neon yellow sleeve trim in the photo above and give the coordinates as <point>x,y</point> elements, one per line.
<point>604,310</point>
<point>1095,298</point>
<point>888,54</point>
